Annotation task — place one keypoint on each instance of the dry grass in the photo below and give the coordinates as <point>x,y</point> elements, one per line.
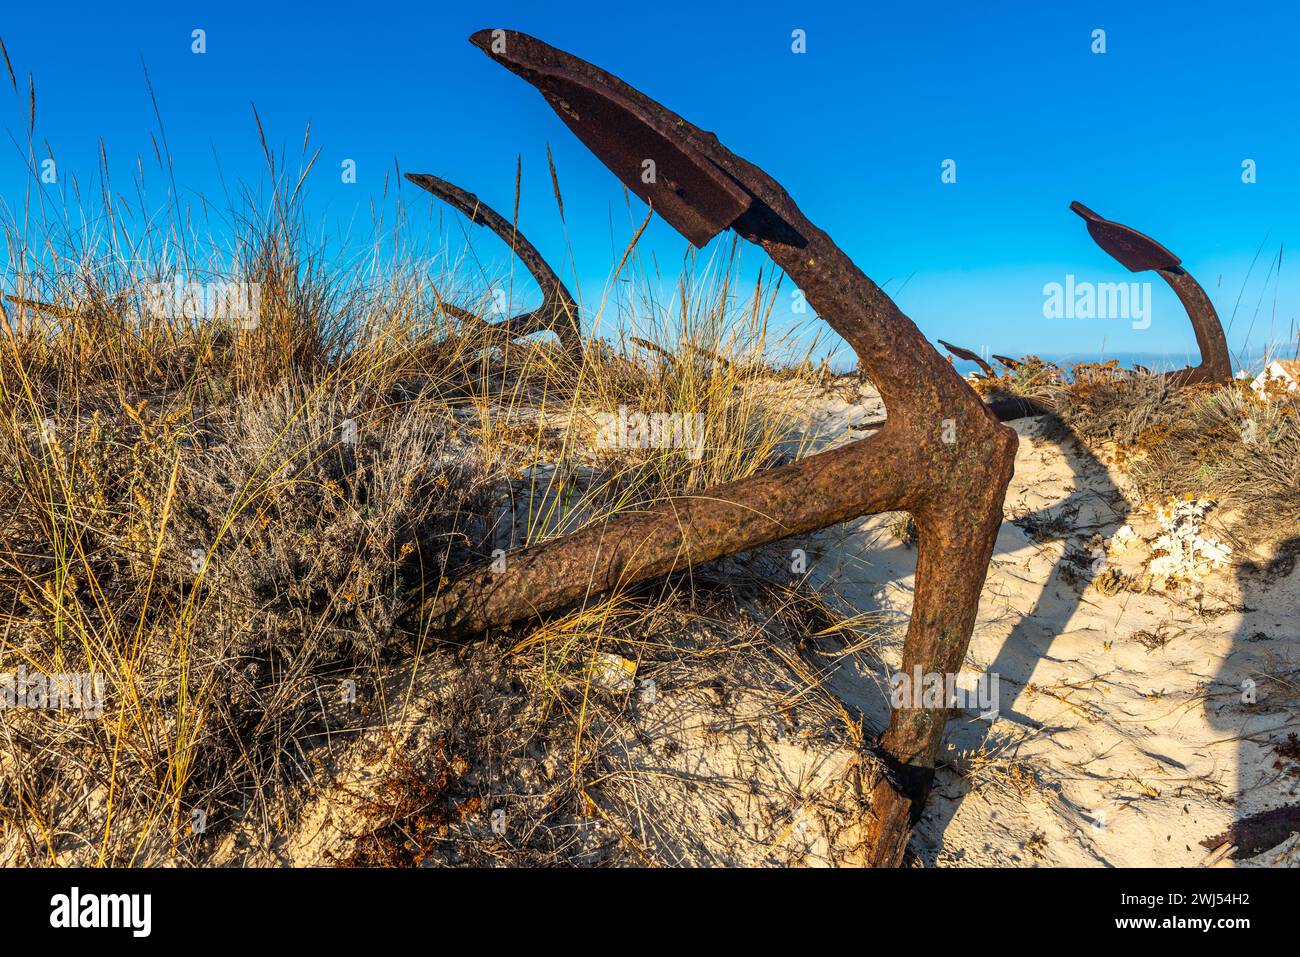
<point>227,521</point>
<point>528,727</point>
<point>1222,442</point>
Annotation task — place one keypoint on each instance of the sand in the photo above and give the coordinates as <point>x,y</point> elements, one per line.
<point>1121,737</point>
<point>1122,734</point>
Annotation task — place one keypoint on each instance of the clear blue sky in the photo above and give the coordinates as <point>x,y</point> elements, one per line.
<point>1152,133</point>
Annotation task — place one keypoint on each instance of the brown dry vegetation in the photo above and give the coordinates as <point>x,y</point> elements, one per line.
<point>1224,442</point>
<point>232,525</point>
<point>230,522</point>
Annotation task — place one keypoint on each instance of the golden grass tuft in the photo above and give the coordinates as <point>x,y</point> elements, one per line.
<point>226,520</point>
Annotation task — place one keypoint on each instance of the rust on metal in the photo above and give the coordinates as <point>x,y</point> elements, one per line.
<point>941,454</point>
<point>969,356</point>
<point>1007,408</point>
<point>696,198</point>
<point>558,311</point>
<point>1138,252</point>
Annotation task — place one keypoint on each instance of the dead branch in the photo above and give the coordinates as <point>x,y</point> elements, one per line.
<point>689,346</point>
<point>655,348</point>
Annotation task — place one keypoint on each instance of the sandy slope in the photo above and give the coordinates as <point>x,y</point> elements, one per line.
<point>1121,737</point>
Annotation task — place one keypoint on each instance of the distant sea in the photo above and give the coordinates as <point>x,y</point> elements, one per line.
<point>1252,361</point>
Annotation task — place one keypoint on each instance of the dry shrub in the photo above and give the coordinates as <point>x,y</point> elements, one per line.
<point>216,571</point>
<point>229,522</point>
<point>1224,442</point>
<point>525,726</point>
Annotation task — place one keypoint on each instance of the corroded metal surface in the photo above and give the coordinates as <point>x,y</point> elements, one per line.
<point>942,456</point>
<point>969,356</point>
<point>558,311</point>
<point>697,198</point>
<point>1137,252</point>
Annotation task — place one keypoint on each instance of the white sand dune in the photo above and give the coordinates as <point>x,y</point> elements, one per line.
<point>1121,738</point>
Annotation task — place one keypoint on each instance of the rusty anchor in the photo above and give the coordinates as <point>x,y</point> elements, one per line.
<point>941,455</point>
<point>1136,252</point>
<point>559,310</point>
